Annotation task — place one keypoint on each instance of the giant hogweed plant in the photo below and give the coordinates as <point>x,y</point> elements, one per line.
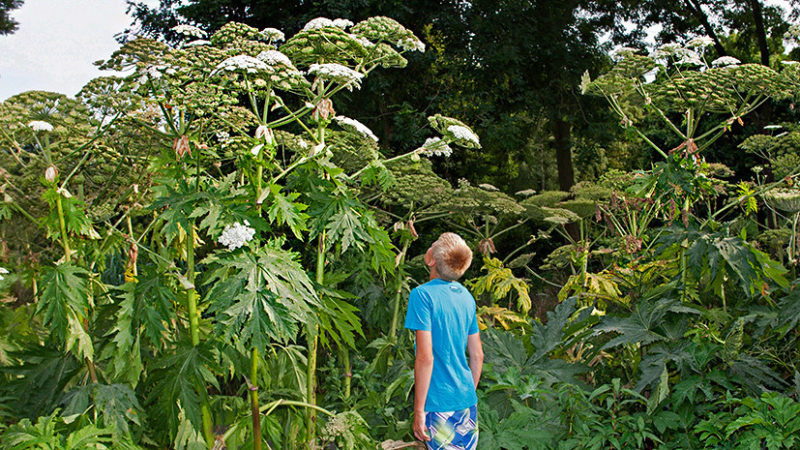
<point>697,100</point>
<point>245,194</point>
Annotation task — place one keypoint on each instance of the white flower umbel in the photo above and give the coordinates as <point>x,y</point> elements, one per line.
<point>362,40</point>
<point>40,125</point>
<point>243,62</point>
<point>789,63</point>
<point>319,22</point>
<point>189,30</point>
<point>725,61</point>
<point>337,73</point>
<point>342,23</point>
<point>666,50</point>
<point>411,44</point>
<point>236,235</point>
<point>274,58</point>
<point>154,72</point>
<point>793,33</point>
<point>700,42</point>
<point>624,52</point>
<point>197,42</point>
<point>463,133</point>
<point>689,57</point>
<point>435,147</point>
<point>223,136</point>
<point>273,34</point>
<point>3,271</point>
<point>353,124</point>
<point>773,127</point>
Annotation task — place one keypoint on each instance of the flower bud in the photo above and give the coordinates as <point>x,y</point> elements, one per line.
<point>50,174</point>
<point>265,132</point>
<point>181,146</point>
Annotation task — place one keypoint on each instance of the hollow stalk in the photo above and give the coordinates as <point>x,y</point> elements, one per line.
<point>194,326</point>
<point>313,344</point>
<point>398,291</point>
<point>254,399</point>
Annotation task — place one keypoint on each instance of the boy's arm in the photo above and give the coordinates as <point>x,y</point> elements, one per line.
<point>423,368</point>
<point>475,349</point>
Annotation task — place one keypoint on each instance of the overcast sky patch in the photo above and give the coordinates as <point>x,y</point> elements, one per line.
<point>56,43</point>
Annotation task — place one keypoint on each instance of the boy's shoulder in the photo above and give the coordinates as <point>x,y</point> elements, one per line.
<point>439,286</point>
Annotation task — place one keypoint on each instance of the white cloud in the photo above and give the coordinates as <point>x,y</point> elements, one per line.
<point>56,43</point>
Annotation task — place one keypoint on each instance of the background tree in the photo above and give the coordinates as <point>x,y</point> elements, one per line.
<point>7,24</point>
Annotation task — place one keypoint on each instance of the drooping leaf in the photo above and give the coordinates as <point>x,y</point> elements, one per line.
<point>179,381</point>
<point>260,295</point>
<point>39,381</point>
<point>64,298</point>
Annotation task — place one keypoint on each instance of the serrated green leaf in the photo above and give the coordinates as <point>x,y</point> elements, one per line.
<point>285,210</point>
<point>64,298</point>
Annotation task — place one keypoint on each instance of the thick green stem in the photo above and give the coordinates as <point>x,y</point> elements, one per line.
<point>194,327</point>
<point>313,344</point>
<point>254,399</point>
<point>63,226</point>
<point>398,292</point>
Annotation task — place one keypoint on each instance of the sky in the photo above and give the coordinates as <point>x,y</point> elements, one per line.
<point>56,43</point>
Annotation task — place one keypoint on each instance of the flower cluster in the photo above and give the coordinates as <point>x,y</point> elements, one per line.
<point>155,72</point>
<point>624,52</point>
<point>40,125</point>
<point>274,58</point>
<point>189,30</point>
<point>793,33</point>
<point>222,136</point>
<point>236,235</point>
<point>435,147</point>
<point>700,42</point>
<point>463,133</point>
<point>665,50</point>
<point>355,125</point>
<point>3,271</point>
<point>362,40</point>
<point>411,44</point>
<point>243,62</point>
<point>689,57</point>
<point>197,42</point>
<point>336,72</point>
<point>342,23</point>
<point>725,61</point>
<point>321,22</point>
<point>273,34</point>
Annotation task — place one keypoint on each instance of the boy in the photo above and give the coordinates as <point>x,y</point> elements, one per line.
<point>442,313</point>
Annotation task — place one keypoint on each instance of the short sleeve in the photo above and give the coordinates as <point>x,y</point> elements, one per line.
<point>473,326</point>
<point>418,316</point>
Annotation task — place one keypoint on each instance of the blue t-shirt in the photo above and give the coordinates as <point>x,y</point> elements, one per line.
<point>447,310</point>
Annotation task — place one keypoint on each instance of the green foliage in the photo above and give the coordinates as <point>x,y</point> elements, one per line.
<point>260,295</point>
<point>191,231</point>
<point>499,281</point>
<point>50,432</point>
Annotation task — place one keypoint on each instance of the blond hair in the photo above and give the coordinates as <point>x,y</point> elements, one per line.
<point>452,255</point>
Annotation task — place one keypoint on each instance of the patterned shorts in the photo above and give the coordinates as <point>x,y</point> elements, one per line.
<point>453,430</point>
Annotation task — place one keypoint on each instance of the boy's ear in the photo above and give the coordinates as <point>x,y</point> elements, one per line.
<point>429,261</point>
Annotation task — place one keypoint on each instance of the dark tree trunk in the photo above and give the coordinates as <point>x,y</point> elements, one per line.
<point>701,17</point>
<point>761,34</point>
<point>566,174</point>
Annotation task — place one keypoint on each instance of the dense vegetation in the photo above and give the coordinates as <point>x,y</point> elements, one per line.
<point>204,252</point>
